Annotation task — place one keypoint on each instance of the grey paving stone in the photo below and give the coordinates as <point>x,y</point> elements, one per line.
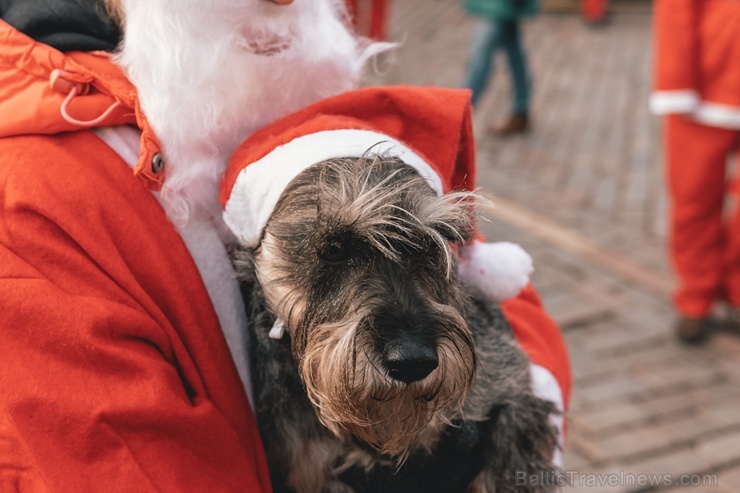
<point>720,449</point>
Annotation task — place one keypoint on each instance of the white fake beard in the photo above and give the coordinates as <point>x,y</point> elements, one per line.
<point>209,73</point>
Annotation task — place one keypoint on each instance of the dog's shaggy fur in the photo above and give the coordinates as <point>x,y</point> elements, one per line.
<point>391,377</point>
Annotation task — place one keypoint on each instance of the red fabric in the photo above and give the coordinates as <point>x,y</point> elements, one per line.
<point>436,123</point>
<point>594,10</point>
<point>697,48</point>
<point>676,44</point>
<point>372,25</point>
<point>539,337</point>
<point>698,56</point>
<point>115,374</point>
<point>705,248</point>
<point>30,104</point>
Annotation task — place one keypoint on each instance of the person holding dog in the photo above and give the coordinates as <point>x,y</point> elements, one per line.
<point>123,329</point>
<point>697,90</point>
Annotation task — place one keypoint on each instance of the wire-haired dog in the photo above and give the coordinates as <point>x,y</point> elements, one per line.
<point>392,378</point>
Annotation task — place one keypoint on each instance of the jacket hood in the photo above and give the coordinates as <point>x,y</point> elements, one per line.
<point>67,25</point>
<point>46,91</point>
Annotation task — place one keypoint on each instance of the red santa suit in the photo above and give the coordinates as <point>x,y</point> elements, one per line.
<point>116,374</point>
<point>120,371</point>
<point>697,88</point>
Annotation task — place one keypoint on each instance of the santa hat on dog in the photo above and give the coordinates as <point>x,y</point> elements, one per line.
<point>429,129</point>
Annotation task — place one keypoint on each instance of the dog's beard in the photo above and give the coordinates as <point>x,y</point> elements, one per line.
<point>209,75</point>
<point>355,398</point>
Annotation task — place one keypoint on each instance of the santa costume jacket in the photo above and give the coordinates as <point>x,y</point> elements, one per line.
<point>697,70</point>
<point>116,374</point>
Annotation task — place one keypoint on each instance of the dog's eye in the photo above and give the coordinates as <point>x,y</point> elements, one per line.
<point>334,250</point>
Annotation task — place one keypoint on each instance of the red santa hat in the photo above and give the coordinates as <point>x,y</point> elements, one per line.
<point>429,129</point>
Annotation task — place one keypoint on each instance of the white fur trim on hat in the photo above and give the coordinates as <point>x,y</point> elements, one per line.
<point>494,271</point>
<point>259,185</point>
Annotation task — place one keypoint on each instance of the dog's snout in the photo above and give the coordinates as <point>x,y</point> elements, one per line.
<point>409,361</point>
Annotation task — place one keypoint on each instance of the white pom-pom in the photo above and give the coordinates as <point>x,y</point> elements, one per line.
<point>494,271</point>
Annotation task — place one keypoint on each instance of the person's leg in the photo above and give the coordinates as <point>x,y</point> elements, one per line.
<point>486,39</point>
<point>695,169</point>
<point>732,246</point>
<point>512,44</point>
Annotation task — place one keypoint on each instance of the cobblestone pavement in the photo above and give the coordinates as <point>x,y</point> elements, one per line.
<point>583,193</point>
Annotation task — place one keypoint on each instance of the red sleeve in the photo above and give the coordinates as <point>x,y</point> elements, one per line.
<point>91,403</point>
<point>111,380</point>
<point>676,44</point>
<point>539,336</point>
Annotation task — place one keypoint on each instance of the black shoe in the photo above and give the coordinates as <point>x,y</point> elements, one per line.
<point>691,330</point>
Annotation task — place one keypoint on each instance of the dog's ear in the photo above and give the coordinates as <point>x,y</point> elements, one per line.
<point>456,231</point>
<point>452,217</point>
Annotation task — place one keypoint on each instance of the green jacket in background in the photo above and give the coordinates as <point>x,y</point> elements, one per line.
<point>501,9</point>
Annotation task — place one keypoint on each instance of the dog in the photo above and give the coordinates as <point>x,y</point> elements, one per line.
<point>390,377</point>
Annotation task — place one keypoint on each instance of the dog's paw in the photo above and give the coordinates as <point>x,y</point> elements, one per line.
<point>494,271</point>
<point>521,446</point>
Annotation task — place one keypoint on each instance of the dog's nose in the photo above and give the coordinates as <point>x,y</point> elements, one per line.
<point>409,361</point>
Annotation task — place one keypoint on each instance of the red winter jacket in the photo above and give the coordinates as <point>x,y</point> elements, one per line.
<point>115,374</point>
<point>697,52</point>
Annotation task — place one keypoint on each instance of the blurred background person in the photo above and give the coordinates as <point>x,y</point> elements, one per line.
<point>697,88</point>
<point>500,29</point>
<point>594,11</point>
<point>369,17</point>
